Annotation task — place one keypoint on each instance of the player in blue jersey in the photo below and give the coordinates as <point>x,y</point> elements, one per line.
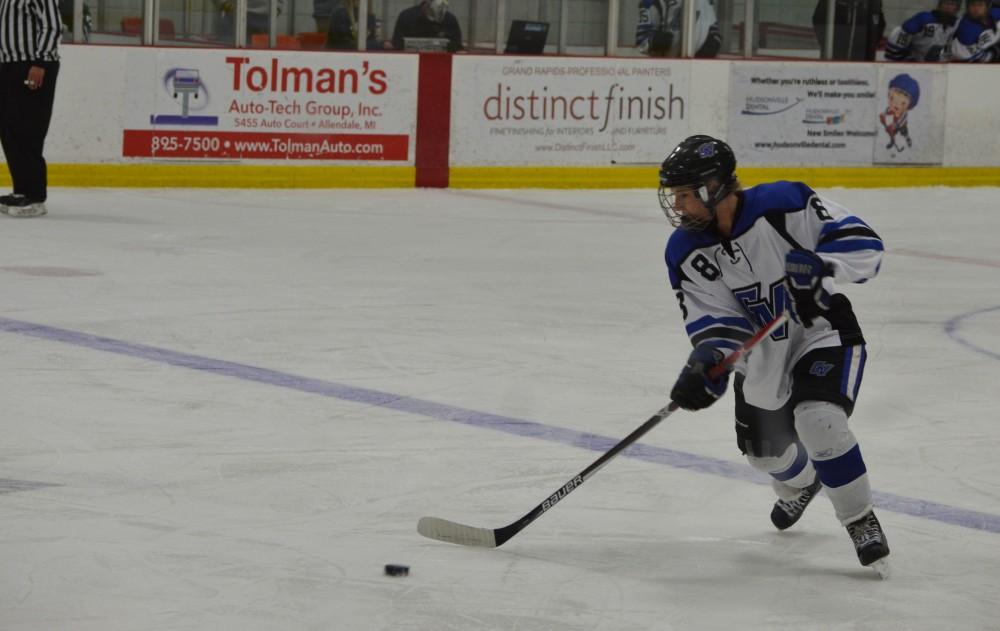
<point>738,259</point>
<point>977,35</point>
<point>926,36</point>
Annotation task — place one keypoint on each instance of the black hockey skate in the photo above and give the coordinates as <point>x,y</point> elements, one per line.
<point>787,512</point>
<point>17,205</point>
<point>869,540</point>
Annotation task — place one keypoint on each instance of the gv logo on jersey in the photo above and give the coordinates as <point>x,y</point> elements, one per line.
<point>821,368</point>
<point>763,309</point>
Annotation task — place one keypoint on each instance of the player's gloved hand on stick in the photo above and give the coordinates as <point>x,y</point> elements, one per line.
<point>694,389</point>
<point>804,280</point>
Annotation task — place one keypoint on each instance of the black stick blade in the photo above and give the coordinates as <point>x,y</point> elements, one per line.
<point>444,530</point>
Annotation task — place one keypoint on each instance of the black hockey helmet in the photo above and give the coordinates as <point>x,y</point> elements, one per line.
<point>706,165</point>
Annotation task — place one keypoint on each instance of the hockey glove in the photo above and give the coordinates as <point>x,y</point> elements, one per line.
<point>694,390</point>
<point>808,299</point>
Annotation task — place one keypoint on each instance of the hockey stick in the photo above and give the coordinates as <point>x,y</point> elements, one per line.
<point>453,532</point>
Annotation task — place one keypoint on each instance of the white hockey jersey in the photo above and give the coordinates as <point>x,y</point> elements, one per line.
<point>728,288</point>
<point>977,41</point>
<point>924,37</point>
<point>666,16</point>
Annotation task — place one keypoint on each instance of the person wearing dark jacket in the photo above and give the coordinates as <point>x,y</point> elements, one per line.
<point>343,32</point>
<point>858,26</point>
<point>430,18</point>
<point>29,65</point>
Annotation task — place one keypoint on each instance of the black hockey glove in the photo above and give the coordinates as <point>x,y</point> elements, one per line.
<point>804,280</point>
<point>694,390</point>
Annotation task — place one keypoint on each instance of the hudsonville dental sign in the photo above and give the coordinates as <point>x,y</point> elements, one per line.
<point>796,113</point>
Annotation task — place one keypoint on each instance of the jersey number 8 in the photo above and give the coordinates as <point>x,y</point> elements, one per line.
<point>703,266</point>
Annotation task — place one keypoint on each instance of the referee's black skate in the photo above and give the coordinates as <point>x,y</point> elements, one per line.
<point>787,512</point>
<point>17,205</point>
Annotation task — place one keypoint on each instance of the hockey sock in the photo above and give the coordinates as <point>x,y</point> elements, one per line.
<point>790,472</point>
<point>834,451</point>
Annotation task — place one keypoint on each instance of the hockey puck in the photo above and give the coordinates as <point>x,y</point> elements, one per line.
<point>397,570</point>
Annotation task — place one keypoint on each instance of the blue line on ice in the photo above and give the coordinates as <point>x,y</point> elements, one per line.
<point>593,442</point>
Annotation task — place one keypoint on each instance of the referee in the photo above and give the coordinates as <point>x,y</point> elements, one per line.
<point>29,64</point>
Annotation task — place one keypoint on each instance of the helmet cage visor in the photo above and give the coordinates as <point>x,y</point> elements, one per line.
<point>708,193</point>
<point>678,218</point>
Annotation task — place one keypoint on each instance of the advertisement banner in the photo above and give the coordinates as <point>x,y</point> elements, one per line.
<point>271,105</point>
<point>802,113</point>
<point>910,120</point>
<point>569,111</point>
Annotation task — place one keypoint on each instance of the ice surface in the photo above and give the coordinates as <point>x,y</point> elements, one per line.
<point>229,409</point>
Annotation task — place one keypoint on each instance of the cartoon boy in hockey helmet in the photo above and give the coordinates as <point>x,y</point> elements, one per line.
<point>904,93</point>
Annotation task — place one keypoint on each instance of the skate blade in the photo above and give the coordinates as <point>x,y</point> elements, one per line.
<point>882,568</point>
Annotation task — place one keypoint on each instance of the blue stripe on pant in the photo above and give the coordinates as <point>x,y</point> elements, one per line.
<point>841,470</point>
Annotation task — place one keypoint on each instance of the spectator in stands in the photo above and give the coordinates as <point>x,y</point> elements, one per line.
<point>322,10</point>
<point>976,38</point>
<point>343,32</point>
<point>258,17</point>
<point>926,36</point>
<point>658,32</point>
<point>430,18</point>
<point>858,26</point>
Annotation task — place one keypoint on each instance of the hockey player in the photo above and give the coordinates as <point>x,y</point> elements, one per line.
<point>977,35</point>
<point>926,36</point>
<point>658,32</point>
<point>737,260</point>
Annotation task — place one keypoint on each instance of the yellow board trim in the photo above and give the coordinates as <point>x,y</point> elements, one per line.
<point>200,175</point>
<point>646,176</point>
<point>226,176</point>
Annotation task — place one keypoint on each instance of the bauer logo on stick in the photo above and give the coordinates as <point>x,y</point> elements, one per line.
<point>561,493</point>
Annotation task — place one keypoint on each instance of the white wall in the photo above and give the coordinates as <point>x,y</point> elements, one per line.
<point>972,122</point>
<point>92,101</point>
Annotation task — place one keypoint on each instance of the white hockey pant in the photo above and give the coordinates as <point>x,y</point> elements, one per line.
<point>831,450</point>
